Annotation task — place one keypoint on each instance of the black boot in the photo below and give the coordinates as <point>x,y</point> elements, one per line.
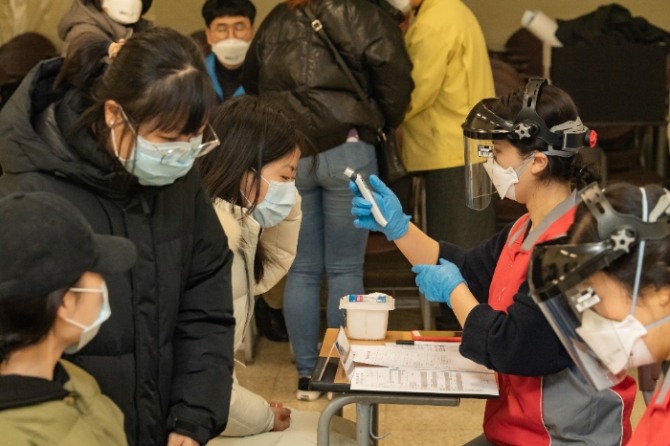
<point>270,322</point>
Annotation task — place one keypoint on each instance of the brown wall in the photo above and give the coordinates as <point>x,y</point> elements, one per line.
<point>499,18</point>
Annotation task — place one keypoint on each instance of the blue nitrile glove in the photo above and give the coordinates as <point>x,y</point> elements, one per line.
<point>398,222</point>
<point>436,282</point>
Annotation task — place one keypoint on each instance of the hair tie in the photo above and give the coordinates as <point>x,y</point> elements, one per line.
<point>114,48</point>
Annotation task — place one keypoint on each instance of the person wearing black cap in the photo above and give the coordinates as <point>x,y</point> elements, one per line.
<point>53,298</point>
<point>523,147</point>
<point>289,64</point>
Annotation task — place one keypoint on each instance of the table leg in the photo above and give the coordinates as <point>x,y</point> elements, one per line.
<point>331,409</point>
<point>365,418</point>
<point>374,427</point>
<point>363,422</point>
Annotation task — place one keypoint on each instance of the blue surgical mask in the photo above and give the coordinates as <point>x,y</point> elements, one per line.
<point>159,164</point>
<point>89,331</point>
<point>276,205</point>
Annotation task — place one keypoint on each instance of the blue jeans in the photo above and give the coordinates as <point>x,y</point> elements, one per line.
<point>329,243</point>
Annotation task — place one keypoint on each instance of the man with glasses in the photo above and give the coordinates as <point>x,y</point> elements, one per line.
<point>229,31</point>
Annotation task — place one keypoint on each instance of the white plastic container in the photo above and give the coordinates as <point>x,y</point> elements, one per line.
<point>367,315</point>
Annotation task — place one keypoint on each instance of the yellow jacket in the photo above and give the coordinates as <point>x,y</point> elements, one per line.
<point>451,74</point>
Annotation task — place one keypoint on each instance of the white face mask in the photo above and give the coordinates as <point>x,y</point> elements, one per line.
<point>618,344</point>
<point>401,5</point>
<point>231,52</point>
<point>276,205</point>
<point>90,331</point>
<point>504,179</point>
<point>125,12</point>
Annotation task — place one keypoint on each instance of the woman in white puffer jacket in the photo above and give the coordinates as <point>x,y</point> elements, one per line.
<point>251,178</point>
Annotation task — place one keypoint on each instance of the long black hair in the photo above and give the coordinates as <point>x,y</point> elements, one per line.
<point>158,77</point>
<point>253,132</point>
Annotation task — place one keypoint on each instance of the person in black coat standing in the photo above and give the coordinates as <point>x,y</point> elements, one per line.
<point>293,67</point>
<point>115,130</point>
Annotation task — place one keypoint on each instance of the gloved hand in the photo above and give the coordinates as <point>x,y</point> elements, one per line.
<point>436,282</point>
<point>389,205</point>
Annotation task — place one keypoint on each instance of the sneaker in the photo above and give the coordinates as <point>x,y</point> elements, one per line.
<point>270,322</point>
<point>303,393</point>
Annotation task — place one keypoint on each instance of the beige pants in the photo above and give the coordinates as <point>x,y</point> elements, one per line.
<point>301,433</point>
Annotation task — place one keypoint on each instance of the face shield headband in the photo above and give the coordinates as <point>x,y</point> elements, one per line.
<point>563,139</point>
<point>483,127</point>
<point>557,273</point>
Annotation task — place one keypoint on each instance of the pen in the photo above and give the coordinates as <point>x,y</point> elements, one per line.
<point>404,342</point>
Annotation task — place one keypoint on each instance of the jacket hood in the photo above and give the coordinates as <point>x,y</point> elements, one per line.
<point>22,391</point>
<point>86,15</point>
<point>35,125</point>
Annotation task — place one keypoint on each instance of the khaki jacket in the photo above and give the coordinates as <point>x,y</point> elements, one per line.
<point>83,417</point>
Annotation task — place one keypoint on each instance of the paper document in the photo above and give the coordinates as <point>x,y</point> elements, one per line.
<point>425,367</point>
<point>424,381</point>
<point>438,355</point>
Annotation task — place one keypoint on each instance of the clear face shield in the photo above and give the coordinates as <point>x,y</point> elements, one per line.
<point>560,278</point>
<point>481,128</point>
<point>478,186</point>
<point>558,284</point>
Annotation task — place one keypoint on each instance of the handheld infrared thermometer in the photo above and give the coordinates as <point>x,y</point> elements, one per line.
<point>367,194</point>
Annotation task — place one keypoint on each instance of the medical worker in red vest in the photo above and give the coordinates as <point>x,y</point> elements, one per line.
<point>524,146</point>
<point>606,292</point>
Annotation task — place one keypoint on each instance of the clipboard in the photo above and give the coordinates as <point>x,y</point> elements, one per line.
<point>436,335</point>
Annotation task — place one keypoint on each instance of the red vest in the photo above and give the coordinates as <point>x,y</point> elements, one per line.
<point>654,427</point>
<point>515,418</point>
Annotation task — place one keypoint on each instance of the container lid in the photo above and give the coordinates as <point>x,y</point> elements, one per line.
<point>372,301</point>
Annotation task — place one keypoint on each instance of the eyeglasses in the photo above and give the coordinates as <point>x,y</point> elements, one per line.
<point>180,150</point>
<point>238,29</point>
<point>174,151</point>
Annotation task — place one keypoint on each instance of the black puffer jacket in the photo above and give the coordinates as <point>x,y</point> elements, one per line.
<point>290,65</point>
<point>166,354</point>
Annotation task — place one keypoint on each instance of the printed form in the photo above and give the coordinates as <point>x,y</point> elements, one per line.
<point>425,367</point>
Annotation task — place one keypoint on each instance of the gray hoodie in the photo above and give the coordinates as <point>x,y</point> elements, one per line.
<point>81,19</point>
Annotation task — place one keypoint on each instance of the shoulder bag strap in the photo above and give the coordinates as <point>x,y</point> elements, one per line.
<point>320,31</point>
